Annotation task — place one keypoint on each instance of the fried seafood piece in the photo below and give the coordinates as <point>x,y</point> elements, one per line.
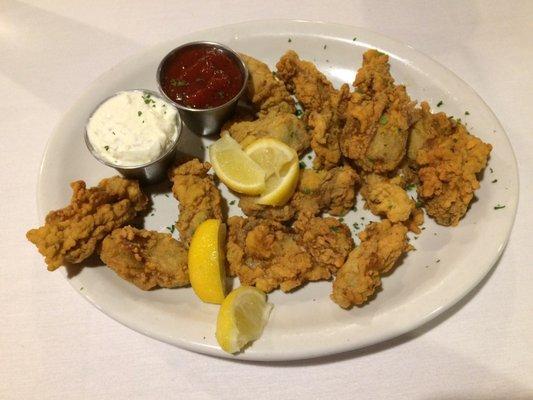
<point>382,245</point>
<point>429,126</point>
<point>266,93</point>
<point>386,197</point>
<point>328,241</point>
<point>285,127</point>
<point>72,234</point>
<point>332,191</point>
<point>199,198</point>
<point>378,116</point>
<point>323,104</point>
<point>269,255</point>
<point>448,166</point>
<point>146,258</point>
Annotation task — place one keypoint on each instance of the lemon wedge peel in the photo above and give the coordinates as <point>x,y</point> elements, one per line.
<point>206,259</point>
<point>235,168</point>
<point>281,166</point>
<point>242,318</point>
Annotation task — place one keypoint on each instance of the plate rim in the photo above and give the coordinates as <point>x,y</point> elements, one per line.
<point>335,348</point>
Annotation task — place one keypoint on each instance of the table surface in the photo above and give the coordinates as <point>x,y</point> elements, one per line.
<point>54,344</point>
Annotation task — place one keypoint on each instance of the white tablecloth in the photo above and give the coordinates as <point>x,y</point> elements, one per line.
<point>53,344</point>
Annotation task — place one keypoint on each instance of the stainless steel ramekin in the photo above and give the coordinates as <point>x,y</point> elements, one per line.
<point>150,172</point>
<point>206,121</point>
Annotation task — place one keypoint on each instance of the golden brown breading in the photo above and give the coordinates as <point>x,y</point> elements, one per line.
<point>386,197</point>
<point>328,241</point>
<point>199,198</point>
<point>268,255</point>
<point>382,244</point>
<point>263,253</point>
<point>146,258</point>
<point>285,127</point>
<point>332,191</point>
<point>71,234</point>
<point>322,104</point>
<point>448,165</point>
<point>427,127</point>
<point>378,117</point>
<point>267,93</point>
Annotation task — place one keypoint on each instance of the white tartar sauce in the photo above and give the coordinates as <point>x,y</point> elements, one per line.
<point>132,128</point>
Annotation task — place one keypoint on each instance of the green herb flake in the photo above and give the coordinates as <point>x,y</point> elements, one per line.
<point>171,228</point>
<point>302,165</point>
<point>411,186</point>
<point>178,82</point>
<point>356,225</point>
<point>335,229</point>
<point>491,170</point>
<point>440,103</point>
<point>290,40</point>
<point>325,46</point>
<point>419,204</point>
<point>309,157</point>
<point>139,113</point>
<point>113,133</point>
<point>498,207</point>
<point>166,194</point>
<point>341,219</point>
<point>495,180</point>
<point>306,191</point>
<point>298,112</point>
<point>354,39</point>
<point>438,260</point>
<point>106,148</point>
<point>383,119</point>
<point>232,202</point>
<point>467,112</point>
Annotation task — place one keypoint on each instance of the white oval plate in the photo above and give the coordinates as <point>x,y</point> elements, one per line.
<point>305,323</point>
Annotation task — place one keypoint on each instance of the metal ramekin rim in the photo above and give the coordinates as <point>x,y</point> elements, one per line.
<point>221,46</point>
<point>95,154</point>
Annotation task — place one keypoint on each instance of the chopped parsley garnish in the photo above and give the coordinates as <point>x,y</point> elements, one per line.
<point>440,103</point>
<point>114,134</point>
<point>106,148</point>
<point>383,119</point>
<point>356,225</point>
<point>232,202</point>
<point>298,112</point>
<point>309,157</point>
<point>139,113</point>
<point>438,260</point>
<point>302,165</point>
<point>467,112</point>
<point>411,186</point>
<point>495,180</point>
<point>416,237</point>
<point>418,204</point>
<point>147,99</point>
<point>335,228</point>
<point>341,219</point>
<point>306,191</point>
<point>498,207</point>
<point>166,194</point>
<point>325,46</point>
<point>354,39</point>
<point>491,170</point>
<point>290,40</point>
<point>171,228</point>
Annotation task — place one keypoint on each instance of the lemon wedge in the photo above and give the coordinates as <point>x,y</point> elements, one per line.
<point>235,168</point>
<point>242,317</point>
<point>280,163</point>
<point>206,260</point>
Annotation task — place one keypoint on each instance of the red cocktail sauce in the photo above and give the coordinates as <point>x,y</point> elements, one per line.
<point>201,76</point>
